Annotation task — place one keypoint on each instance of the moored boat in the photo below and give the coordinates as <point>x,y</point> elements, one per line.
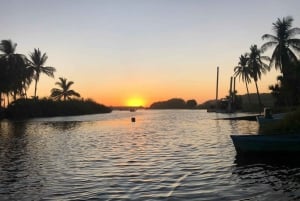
<point>268,117</point>
<point>266,144</point>
<point>261,119</point>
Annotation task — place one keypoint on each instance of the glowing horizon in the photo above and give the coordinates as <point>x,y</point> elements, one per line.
<point>115,51</point>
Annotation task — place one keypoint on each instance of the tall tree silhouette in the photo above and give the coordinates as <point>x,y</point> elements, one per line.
<point>14,74</point>
<point>257,67</point>
<point>37,61</point>
<point>284,56</point>
<point>243,71</point>
<point>285,44</point>
<point>64,92</point>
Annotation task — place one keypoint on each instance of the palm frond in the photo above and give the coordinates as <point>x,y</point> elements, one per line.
<point>265,58</point>
<point>68,85</point>
<point>8,47</point>
<point>48,70</point>
<point>65,91</point>
<point>43,59</point>
<point>292,57</point>
<point>56,90</point>
<point>281,25</point>
<point>294,43</point>
<point>268,45</point>
<point>73,93</point>
<point>293,31</point>
<point>56,93</point>
<point>269,37</point>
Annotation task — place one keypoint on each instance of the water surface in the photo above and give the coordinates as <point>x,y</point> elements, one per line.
<point>164,155</point>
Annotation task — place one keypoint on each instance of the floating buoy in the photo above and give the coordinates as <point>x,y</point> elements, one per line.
<point>132,119</point>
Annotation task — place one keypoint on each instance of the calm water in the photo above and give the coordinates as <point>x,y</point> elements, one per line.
<point>164,155</point>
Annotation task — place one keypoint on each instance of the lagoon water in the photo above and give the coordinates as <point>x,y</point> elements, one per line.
<point>164,155</point>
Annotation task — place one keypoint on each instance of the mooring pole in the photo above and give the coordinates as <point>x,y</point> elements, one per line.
<point>230,96</point>
<point>233,92</point>
<point>217,87</point>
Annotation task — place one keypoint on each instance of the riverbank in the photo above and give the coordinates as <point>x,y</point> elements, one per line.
<point>31,108</point>
<point>290,124</point>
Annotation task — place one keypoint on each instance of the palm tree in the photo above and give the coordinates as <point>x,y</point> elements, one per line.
<point>277,91</point>
<point>257,67</point>
<point>243,71</point>
<point>12,67</point>
<point>285,44</point>
<point>37,62</point>
<point>64,91</point>
<point>283,56</point>
<point>27,79</point>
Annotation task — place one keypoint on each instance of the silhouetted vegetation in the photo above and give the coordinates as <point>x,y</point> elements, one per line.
<point>174,103</point>
<point>284,58</point>
<point>64,92</point>
<point>15,77</point>
<point>29,108</point>
<point>17,73</point>
<point>36,63</point>
<point>243,72</point>
<point>241,102</point>
<point>258,67</point>
<point>252,66</point>
<point>191,104</point>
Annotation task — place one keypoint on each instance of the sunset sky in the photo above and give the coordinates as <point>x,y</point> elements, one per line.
<point>152,50</point>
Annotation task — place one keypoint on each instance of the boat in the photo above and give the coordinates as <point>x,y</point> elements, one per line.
<point>268,117</point>
<point>267,144</point>
<point>262,119</point>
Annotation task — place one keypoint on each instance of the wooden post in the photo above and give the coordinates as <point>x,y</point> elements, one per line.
<point>230,96</point>
<point>233,92</point>
<point>217,87</point>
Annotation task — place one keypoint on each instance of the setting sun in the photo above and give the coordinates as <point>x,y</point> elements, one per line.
<point>135,102</point>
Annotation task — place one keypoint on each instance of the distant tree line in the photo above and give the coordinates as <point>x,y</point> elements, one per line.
<point>174,103</point>
<point>29,108</point>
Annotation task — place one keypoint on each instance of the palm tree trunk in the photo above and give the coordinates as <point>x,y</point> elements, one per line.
<point>0,99</point>
<point>25,93</point>
<point>248,93</point>
<point>35,88</point>
<point>258,96</point>
<point>14,96</point>
<point>7,94</point>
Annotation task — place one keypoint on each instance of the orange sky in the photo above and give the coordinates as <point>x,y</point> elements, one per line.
<point>116,51</point>
<point>147,92</point>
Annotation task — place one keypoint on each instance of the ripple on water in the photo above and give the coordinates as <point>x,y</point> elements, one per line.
<point>164,155</point>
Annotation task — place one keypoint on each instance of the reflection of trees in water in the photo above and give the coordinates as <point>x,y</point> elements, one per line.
<point>12,128</point>
<point>22,144</point>
<point>63,125</point>
<point>13,149</point>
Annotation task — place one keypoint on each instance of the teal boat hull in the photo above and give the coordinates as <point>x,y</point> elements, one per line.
<point>266,144</point>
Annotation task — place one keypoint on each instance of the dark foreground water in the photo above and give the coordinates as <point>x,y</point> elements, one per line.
<point>164,155</point>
